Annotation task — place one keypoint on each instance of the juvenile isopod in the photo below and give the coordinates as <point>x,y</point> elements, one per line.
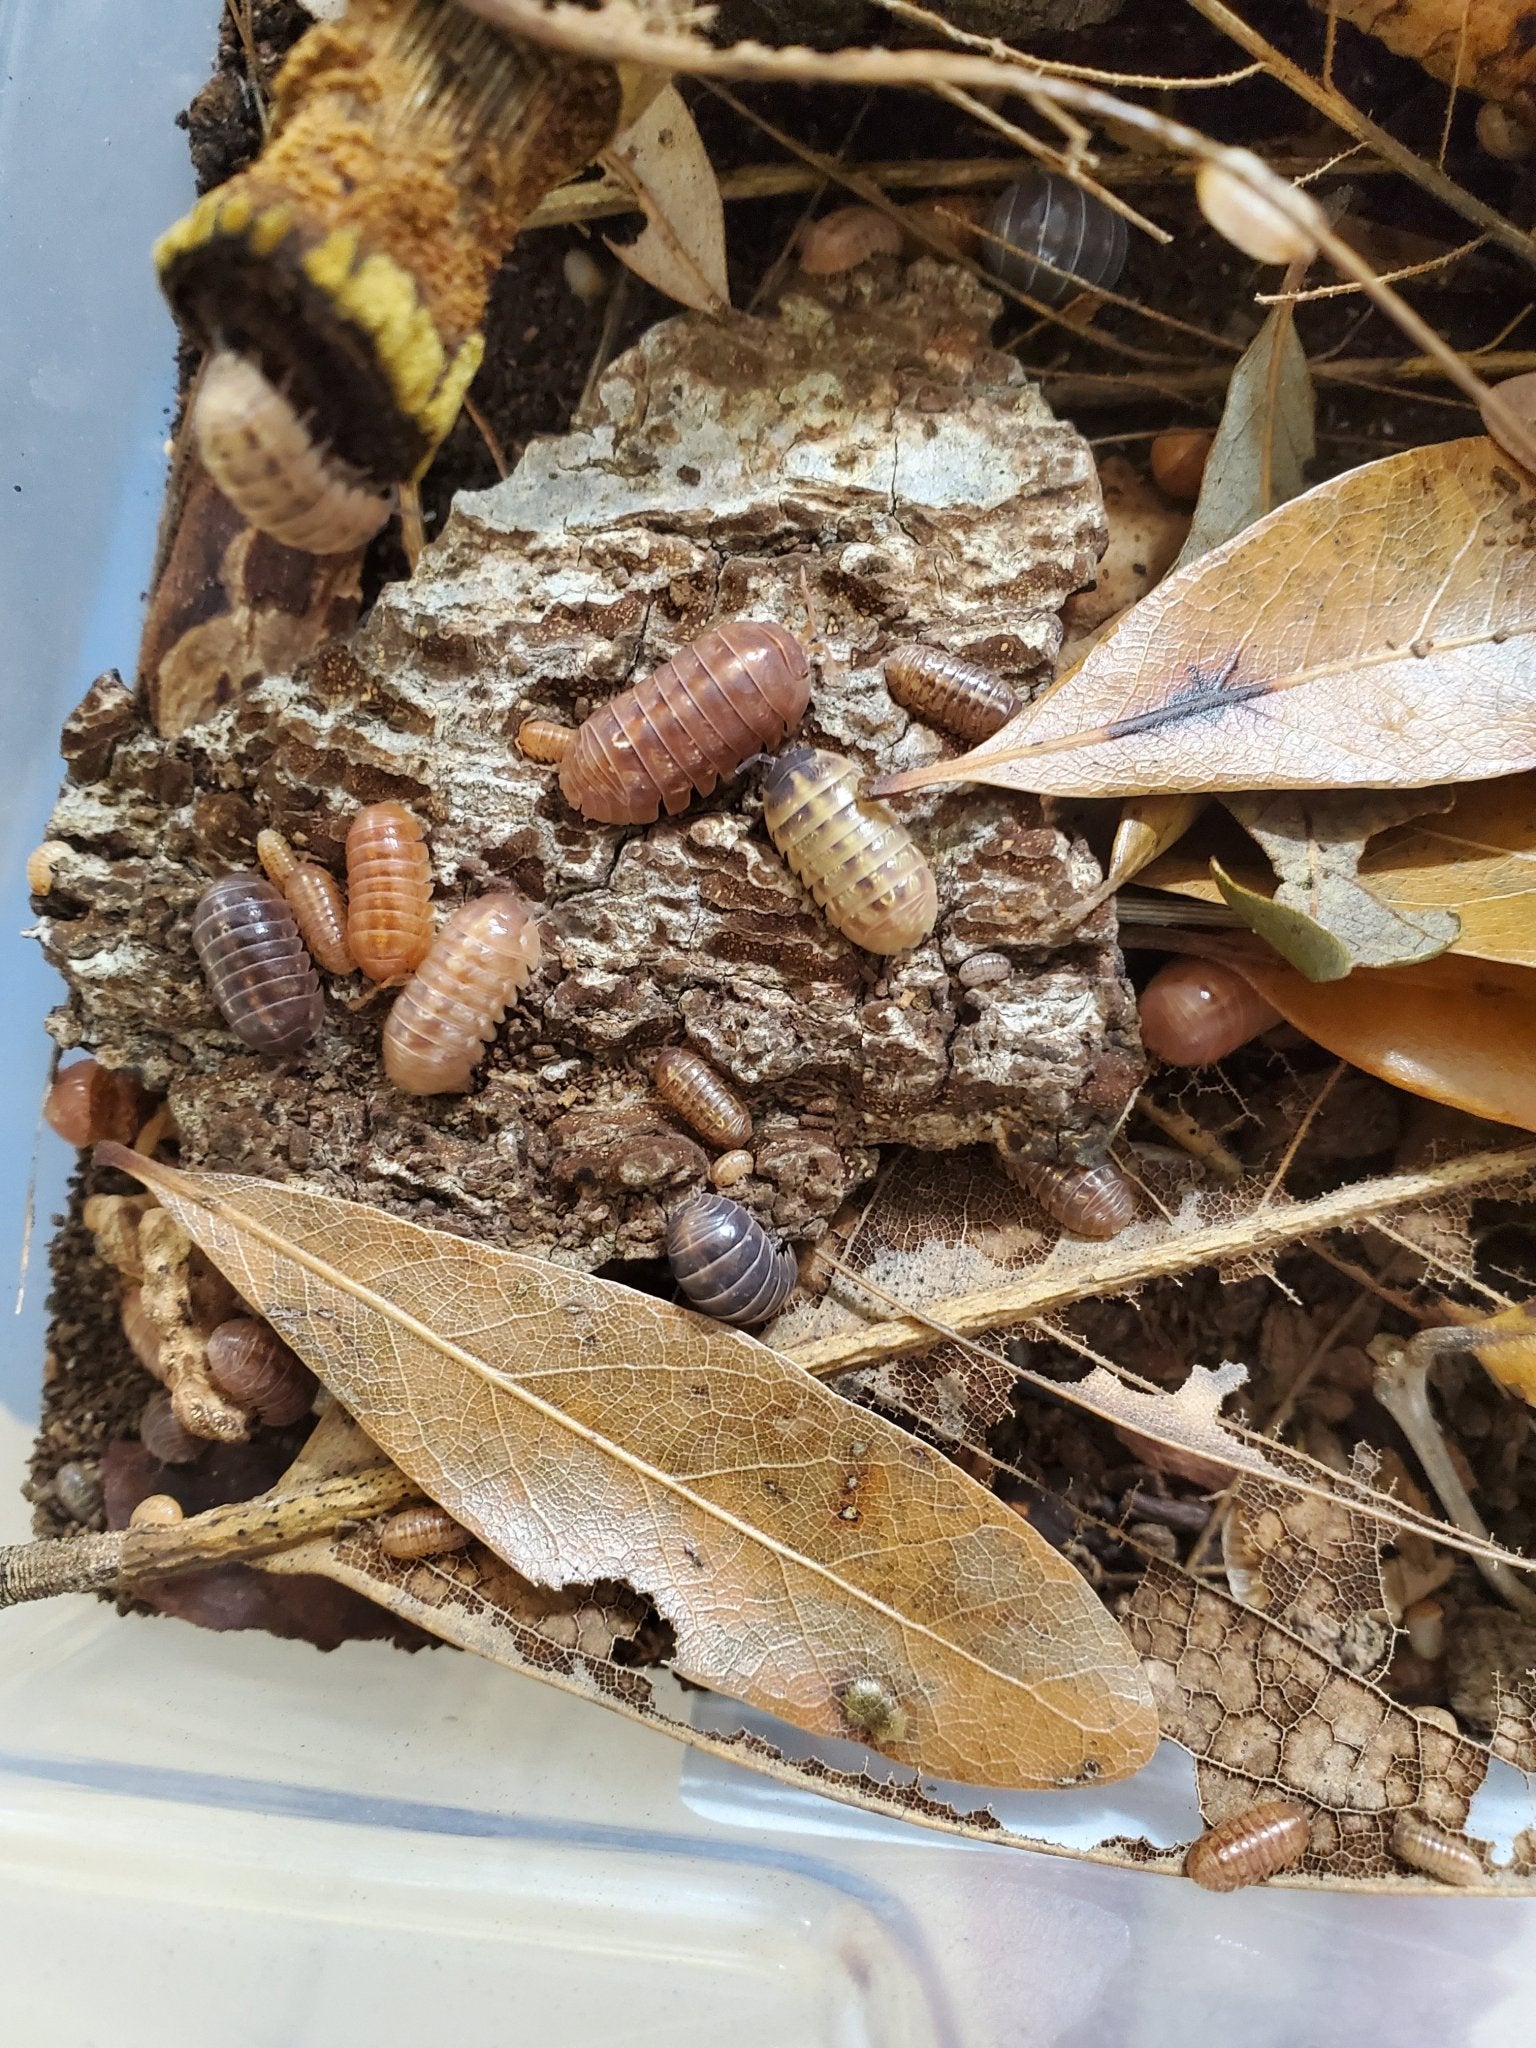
<point>266,461</point>
<point>77,1489</point>
<point>859,864</point>
<point>425,1531</point>
<point>731,1167</point>
<point>249,1362</point>
<point>163,1436</point>
<point>157,1511</point>
<point>389,892</point>
<point>687,726</point>
<point>948,691</point>
<point>258,971</point>
<point>1250,1847</point>
<point>544,739</point>
<point>1250,221</point>
<point>726,1263</point>
<point>1503,134</point>
<point>314,896</point>
<point>1042,227</point>
<point>89,1102</point>
<point>1194,1012</point>
<point>1438,1853</point>
<point>1088,1201</point>
<point>688,1084</point>
<point>448,1013</point>
<point>847,237</point>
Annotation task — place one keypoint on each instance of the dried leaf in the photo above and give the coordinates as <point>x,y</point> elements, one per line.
<point>1149,826</point>
<point>1372,634</point>
<point>1311,948</point>
<point>1264,442</point>
<point>585,1432</point>
<point>1313,1567</point>
<point>663,162</point>
<point>1485,47</point>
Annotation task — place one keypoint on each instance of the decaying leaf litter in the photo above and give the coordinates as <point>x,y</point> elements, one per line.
<point>1453,1251</point>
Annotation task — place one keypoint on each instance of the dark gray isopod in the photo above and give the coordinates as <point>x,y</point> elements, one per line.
<point>258,971</point>
<point>726,1263</point>
<point>1047,225</point>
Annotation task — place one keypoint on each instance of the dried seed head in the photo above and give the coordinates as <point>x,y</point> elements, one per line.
<point>688,726</point>
<point>314,896</point>
<point>689,1085</point>
<point>859,864</point>
<point>1178,462</point>
<point>1050,239</point>
<point>89,1102</point>
<point>544,739</point>
<point>425,1531</point>
<point>439,1028</point>
<point>731,1167</point>
<point>1251,1847</point>
<point>847,237</point>
<point>1089,1201</point>
<point>1194,1012</point>
<point>726,1263</point>
<point>389,892</point>
<point>1247,219</point>
<point>156,1511</point>
<point>1451,1859</point>
<point>948,691</point>
<point>163,1436</point>
<point>873,1711</point>
<point>249,1362</point>
<point>258,971</point>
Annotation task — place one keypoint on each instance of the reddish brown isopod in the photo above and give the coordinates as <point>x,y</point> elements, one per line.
<point>425,1531</point>
<point>847,237</point>
<point>314,896</point>
<point>258,971</point>
<point>726,1263</point>
<point>163,1436</point>
<point>688,1084</point>
<point>249,1362</point>
<point>946,690</point>
<point>389,892</point>
<point>1196,1011</point>
<point>544,739</point>
<point>1088,1201</point>
<point>440,1026</point>
<point>857,861</point>
<point>687,726</point>
<point>89,1102</point>
<point>1250,1847</point>
<point>1439,1854</point>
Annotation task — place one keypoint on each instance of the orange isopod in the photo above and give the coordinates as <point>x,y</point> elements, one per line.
<point>859,864</point>
<point>1435,1851</point>
<point>440,1026</point>
<point>847,237</point>
<point>687,726</point>
<point>314,896</point>
<point>688,1084</point>
<point>946,690</point>
<point>1194,1012</point>
<point>1088,1201</point>
<point>425,1531</point>
<point>1250,1847</point>
<point>389,887</point>
<point>89,1102</point>
<point>544,739</point>
<point>163,1436</point>
<point>249,1362</point>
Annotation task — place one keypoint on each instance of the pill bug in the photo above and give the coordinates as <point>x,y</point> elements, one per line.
<point>440,1026</point>
<point>859,864</point>
<point>1252,1846</point>
<point>77,1489</point>
<point>157,1511</point>
<point>257,969</point>
<point>163,1436</point>
<point>41,863</point>
<point>314,896</point>
<point>847,237</point>
<point>946,690</point>
<point>89,1102</point>
<point>389,892</point>
<point>1041,227</point>
<point>984,970</point>
<point>544,739</point>
<point>1088,1201</point>
<point>425,1531</point>
<point>249,1362</point>
<point>1434,1850</point>
<point>731,1167</point>
<point>689,1085</point>
<point>1194,1012</point>
<point>1247,219</point>
<point>687,726</point>
<point>141,1330</point>
<point>726,1263</point>
<point>872,1711</point>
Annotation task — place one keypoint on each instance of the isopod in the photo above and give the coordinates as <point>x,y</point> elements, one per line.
<point>1088,1201</point>
<point>389,892</point>
<point>873,1711</point>
<point>249,1362</point>
<point>1435,1851</point>
<point>440,1026</point>
<point>1250,1847</point>
<point>544,739</point>
<point>946,690</point>
<point>77,1489</point>
<point>687,726</point>
<point>157,1511</point>
<point>1194,1012</point>
<point>41,862</point>
<point>265,459</point>
<point>425,1531</point>
<point>1503,134</point>
<point>1249,220</point>
<point>726,1263</point>
<point>163,1436</point>
<point>847,237</point>
<point>314,896</point>
<point>688,1084</point>
<point>859,864</point>
<point>89,1102</point>
<point>258,971</point>
<point>1042,227</point>
<point>1178,462</point>
<point>731,1167</point>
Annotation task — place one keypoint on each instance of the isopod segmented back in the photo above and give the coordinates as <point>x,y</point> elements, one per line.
<point>1052,239</point>
<point>726,1263</point>
<point>258,971</point>
<point>946,690</point>
<point>688,1084</point>
<point>389,891</point>
<point>858,862</point>
<point>437,1033</point>
<point>314,896</point>
<point>1089,1201</point>
<point>1253,1845</point>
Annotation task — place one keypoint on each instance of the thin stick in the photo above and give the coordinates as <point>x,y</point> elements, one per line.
<point>1193,1138</point>
<point>488,435</point>
<point>1277,1178</point>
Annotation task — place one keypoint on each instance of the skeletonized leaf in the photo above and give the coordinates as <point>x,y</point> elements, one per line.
<point>796,1545</point>
<point>662,160</point>
<point>1264,442</point>
<point>1375,633</point>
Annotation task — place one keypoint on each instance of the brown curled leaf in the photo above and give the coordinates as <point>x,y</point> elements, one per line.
<point>663,162</point>
<point>793,1543</point>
